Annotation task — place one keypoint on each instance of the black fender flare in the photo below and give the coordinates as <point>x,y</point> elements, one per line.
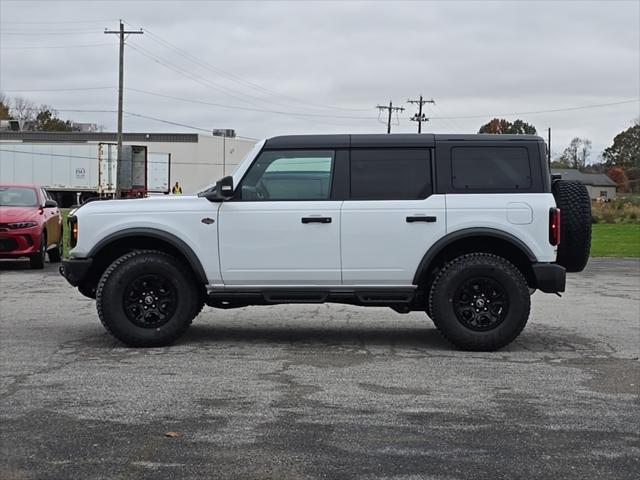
<point>177,243</point>
<point>447,240</point>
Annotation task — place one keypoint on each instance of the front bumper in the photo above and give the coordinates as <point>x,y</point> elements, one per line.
<point>550,277</point>
<point>75,269</point>
<point>20,243</point>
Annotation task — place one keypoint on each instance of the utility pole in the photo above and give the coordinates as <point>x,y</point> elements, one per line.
<point>549,148</point>
<point>391,109</point>
<point>121,33</point>
<point>420,117</point>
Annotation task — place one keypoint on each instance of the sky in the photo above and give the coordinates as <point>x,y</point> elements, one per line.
<point>300,67</point>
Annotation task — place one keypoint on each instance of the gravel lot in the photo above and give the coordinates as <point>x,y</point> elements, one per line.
<point>328,391</point>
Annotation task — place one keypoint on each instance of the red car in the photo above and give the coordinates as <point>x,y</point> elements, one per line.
<point>30,224</point>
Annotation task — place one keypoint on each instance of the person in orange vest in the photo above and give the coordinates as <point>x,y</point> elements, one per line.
<point>176,189</point>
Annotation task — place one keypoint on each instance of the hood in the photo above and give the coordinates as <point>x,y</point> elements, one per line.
<point>167,203</point>
<point>18,214</point>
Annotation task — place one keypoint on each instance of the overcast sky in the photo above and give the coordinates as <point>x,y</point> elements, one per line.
<point>271,68</point>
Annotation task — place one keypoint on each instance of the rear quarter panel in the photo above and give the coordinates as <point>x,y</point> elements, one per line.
<point>525,216</point>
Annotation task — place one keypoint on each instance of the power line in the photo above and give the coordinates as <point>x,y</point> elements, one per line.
<point>36,32</point>
<point>44,47</point>
<point>420,117</point>
<point>206,65</point>
<point>236,107</point>
<point>566,109</point>
<point>208,130</point>
<point>390,109</point>
<point>191,76</point>
<point>77,89</point>
<point>52,22</point>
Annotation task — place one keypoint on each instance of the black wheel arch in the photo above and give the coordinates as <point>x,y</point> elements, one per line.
<point>119,243</point>
<point>478,239</point>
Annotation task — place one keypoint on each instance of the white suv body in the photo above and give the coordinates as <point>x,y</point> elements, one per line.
<point>362,219</point>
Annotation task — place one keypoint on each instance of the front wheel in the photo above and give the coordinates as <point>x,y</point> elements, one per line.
<point>55,254</point>
<point>146,298</point>
<point>37,259</point>
<point>480,302</point>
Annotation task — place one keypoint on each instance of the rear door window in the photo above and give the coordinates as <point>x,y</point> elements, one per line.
<point>490,168</point>
<point>390,174</point>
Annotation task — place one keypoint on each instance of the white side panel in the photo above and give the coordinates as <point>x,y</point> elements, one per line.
<point>380,247</point>
<point>54,166</point>
<point>180,216</point>
<point>266,243</point>
<point>158,172</point>
<point>498,211</point>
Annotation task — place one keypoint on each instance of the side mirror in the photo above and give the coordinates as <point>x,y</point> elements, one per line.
<point>50,204</point>
<point>223,190</point>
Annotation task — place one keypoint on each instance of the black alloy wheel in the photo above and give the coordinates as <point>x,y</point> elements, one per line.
<point>146,298</point>
<point>479,301</point>
<point>480,304</point>
<point>150,301</point>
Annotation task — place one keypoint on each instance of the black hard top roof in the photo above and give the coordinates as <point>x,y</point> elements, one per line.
<point>386,140</point>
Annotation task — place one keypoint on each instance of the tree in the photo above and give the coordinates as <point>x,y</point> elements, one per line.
<point>577,153</point>
<point>4,107</point>
<point>23,110</point>
<point>47,120</point>
<point>625,151</point>
<point>617,175</point>
<point>500,125</point>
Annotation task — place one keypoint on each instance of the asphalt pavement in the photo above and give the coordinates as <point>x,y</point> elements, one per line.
<point>320,391</point>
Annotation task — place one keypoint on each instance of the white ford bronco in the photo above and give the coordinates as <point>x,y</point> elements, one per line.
<point>462,227</point>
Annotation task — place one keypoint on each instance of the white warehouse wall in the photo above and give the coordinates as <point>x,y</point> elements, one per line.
<point>195,165</point>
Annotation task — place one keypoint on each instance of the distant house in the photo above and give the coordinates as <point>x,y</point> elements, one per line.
<point>598,184</point>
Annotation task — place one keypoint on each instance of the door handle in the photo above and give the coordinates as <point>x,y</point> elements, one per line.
<point>421,218</point>
<point>316,219</point>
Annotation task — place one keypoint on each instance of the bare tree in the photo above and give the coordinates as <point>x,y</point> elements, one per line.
<point>577,153</point>
<point>23,110</point>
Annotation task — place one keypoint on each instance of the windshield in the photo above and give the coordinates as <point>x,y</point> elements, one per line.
<point>18,197</point>
<point>250,155</point>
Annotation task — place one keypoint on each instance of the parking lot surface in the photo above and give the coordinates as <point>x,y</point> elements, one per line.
<point>320,391</point>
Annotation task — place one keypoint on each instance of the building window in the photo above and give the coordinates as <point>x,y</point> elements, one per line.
<point>603,193</point>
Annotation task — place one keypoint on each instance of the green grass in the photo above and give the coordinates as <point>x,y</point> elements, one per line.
<point>615,240</point>
<point>65,230</point>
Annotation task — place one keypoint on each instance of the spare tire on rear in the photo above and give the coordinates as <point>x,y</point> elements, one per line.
<point>572,198</point>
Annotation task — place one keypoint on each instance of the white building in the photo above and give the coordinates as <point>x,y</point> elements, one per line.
<point>196,160</point>
<point>598,185</point>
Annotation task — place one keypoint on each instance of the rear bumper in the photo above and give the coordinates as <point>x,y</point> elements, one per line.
<point>550,277</point>
<point>75,269</point>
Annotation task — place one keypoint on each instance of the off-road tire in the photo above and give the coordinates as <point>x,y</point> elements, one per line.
<point>199,305</point>
<point>37,259</point>
<point>110,297</point>
<point>466,268</point>
<point>55,254</point>
<point>572,198</point>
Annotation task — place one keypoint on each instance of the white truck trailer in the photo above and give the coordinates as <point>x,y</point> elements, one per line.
<point>74,172</point>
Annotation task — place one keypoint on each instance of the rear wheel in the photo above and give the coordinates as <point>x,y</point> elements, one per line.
<point>37,259</point>
<point>480,302</point>
<point>146,299</point>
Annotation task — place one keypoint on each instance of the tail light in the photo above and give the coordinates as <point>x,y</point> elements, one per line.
<point>554,226</point>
